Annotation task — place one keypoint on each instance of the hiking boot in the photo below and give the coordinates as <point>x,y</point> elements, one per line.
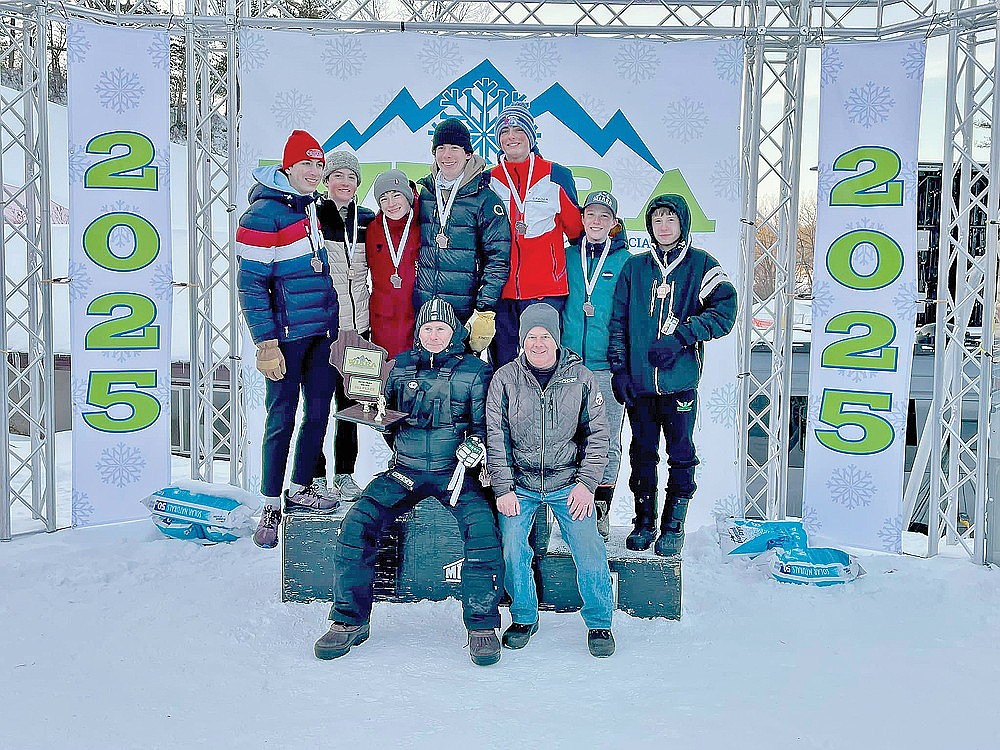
<point>266,535</point>
<point>307,500</point>
<point>484,647</point>
<point>323,489</point>
<point>600,642</point>
<point>338,640</point>
<point>348,489</point>
<point>602,506</point>
<point>671,539</point>
<point>644,529</point>
<point>517,635</point>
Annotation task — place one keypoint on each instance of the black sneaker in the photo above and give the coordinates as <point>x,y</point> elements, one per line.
<point>517,635</point>
<point>338,640</point>
<point>600,642</point>
<point>484,647</point>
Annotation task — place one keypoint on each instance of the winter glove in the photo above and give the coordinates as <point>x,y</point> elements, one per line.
<point>270,360</point>
<point>482,328</point>
<point>471,452</point>
<point>621,386</point>
<point>664,351</point>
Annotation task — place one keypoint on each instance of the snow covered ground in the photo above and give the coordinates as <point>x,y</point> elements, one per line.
<point>115,637</point>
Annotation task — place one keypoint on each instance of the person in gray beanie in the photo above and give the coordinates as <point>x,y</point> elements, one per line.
<point>547,442</point>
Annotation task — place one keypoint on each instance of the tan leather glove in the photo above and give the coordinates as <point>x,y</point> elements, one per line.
<point>270,360</point>
<point>482,328</point>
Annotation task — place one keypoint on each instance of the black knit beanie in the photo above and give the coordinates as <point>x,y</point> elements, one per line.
<point>452,132</point>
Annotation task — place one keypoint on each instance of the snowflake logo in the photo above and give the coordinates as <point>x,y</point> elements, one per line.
<point>247,160</point>
<point>478,106</point>
<point>83,509</point>
<point>869,105</point>
<point>686,120</point>
<point>728,61</point>
<point>851,487</point>
<point>864,256</point>
<point>722,405</point>
<point>159,52</point>
<point>906,299</point>
<point>913,60</point>
<point>891,534</point>
<point>826,178</point>
<point>253,389</point>
<point>830,66</point>
<point>253,51</point>
<point>253,483</point>
<point>121,465</point>
<point>79,281</point>
<point>121,239</point>
<point>79,388</point>
<point>119,90</point>
<point>162,282</point>
<point>439,56</point>
<point>822,298</point>
<point>634,177</point>
<point>344,57</point>
<point>77,43</point>
<point>163,392</point>
<point>908,174</point>
<point>855,375</point>
<point>597,108</point>
<point>810,520</point>
<point>381,453</point>
<point>538,59</point>
<point>292,106</point>
<point>79,162</point>
<point>726,178</point>
<point>728,506</point>
<point>121,356</point>
<point>637,61</point>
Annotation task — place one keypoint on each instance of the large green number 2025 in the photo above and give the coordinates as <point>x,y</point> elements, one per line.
<point>101,392</point>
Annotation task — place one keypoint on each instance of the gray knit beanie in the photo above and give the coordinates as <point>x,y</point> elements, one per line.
<point>540,314</point>
<point>394,179</point>
<point>341,160</point>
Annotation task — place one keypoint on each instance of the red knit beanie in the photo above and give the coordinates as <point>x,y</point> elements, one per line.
<point>300,146</point>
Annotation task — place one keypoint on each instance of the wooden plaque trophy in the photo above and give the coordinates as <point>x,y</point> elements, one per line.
<point>364,368</point>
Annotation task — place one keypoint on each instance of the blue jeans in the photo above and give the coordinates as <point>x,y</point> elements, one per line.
<point>589,554</point>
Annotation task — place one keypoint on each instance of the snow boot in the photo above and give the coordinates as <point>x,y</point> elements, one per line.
<point>644,531</point>
<point>484,647</point>
<point>518,635</point>
<point>266,535</point>
<point>602,506</point>
<point>339,639</point>
<point>600,642</point>
<point>672,526</point>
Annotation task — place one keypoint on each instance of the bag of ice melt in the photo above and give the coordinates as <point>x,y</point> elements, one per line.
<point>749,536</point>
<point>820,566</point>
<point>202,512</point>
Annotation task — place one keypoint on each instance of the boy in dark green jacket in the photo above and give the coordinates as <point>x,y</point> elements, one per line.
<point>667,303</point>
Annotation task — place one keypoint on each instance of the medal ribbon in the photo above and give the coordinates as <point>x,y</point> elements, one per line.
<point>444,211</point>
<point>591,282</point>
<point>394,253</point>
<point>518,201</point>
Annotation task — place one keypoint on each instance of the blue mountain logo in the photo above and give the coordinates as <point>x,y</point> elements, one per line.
<point>477,98</point>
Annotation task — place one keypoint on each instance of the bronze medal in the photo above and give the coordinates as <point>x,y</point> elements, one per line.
<point>317,264</point>
<point>442,239</point>
<point>661,291</point>
<point>397,280</point>
<point>588,309</point>
<point>521,227</point>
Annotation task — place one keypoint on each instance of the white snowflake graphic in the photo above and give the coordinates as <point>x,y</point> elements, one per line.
<point>247,160</point>
<point>79,162</point>
<point>812,416</point>
<point>77,43</point>
<point>851,487</point>
<point>913,60</point>
<point>891,534</point>
<point>830,66</point>
<point>162,163</point>
<point>906,299</point>
<point>381,452</point>
<point>253,483</point>
<point>728,61</point>
<point>637,61</point>
<point>634,177</point>
<point>253,389</point>
<point>83,509</point>
<point>897,417</point>
<point>686,120</point>
<point>344,57</point>
<point>810,520</point>
<point>856,375</point>
<point>722,405</point>
<point>79,281</point>
<point>163,393</point>
<point>162,282</point>
<point>538,59</point>
<point>869,105</point>
<point>119,90</point>
<point>121,239</point>
<point>121,356</point>
<point>478,106</point>
<point>121,465</point>
<point>826,178</point>
<point>439,56</point>
<point>597,108</point>
<point>292,106</point>
<point>78,388</point>
<point>822,298</point>
<point>908,174</point>
<point>253,51</point>
<point>728,506</point>
<point>864,256</point>
<point>159,52</point>
<point>726,178</point>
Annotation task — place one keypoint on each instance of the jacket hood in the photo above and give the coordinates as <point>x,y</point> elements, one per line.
<point>675,203</point>
<point>473,168</point>
<point>272,184</point>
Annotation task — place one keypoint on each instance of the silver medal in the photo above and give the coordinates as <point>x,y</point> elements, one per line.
<point>397,280</point>
<point>521,227</point>
<point>661,290</point>
<point>317,265</point>
<point>588,309</point>
<point>442,240</point>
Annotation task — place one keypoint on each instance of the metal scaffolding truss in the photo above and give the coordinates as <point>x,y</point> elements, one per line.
<point>778,37</point>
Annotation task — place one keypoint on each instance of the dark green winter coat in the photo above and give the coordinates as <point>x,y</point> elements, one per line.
<point>470,273</point>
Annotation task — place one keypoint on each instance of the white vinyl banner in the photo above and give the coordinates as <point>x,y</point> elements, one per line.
<point>637,117</point>
<point>864,292</point>
<point>119,268</point>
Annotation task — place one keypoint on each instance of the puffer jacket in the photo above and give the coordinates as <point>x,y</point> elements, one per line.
<point>445,396</point>
<point>282,296</point>
<point>545,440</point>
<point>703,302</point>
<point>471,272</point>
<point>588,336</point>
<point>350,274</point>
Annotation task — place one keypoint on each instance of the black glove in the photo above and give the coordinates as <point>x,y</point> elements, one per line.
<point>621,386</point>
<point>664,351</point>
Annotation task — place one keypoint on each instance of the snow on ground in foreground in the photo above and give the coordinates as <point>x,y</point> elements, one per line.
<point>115,637</point>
